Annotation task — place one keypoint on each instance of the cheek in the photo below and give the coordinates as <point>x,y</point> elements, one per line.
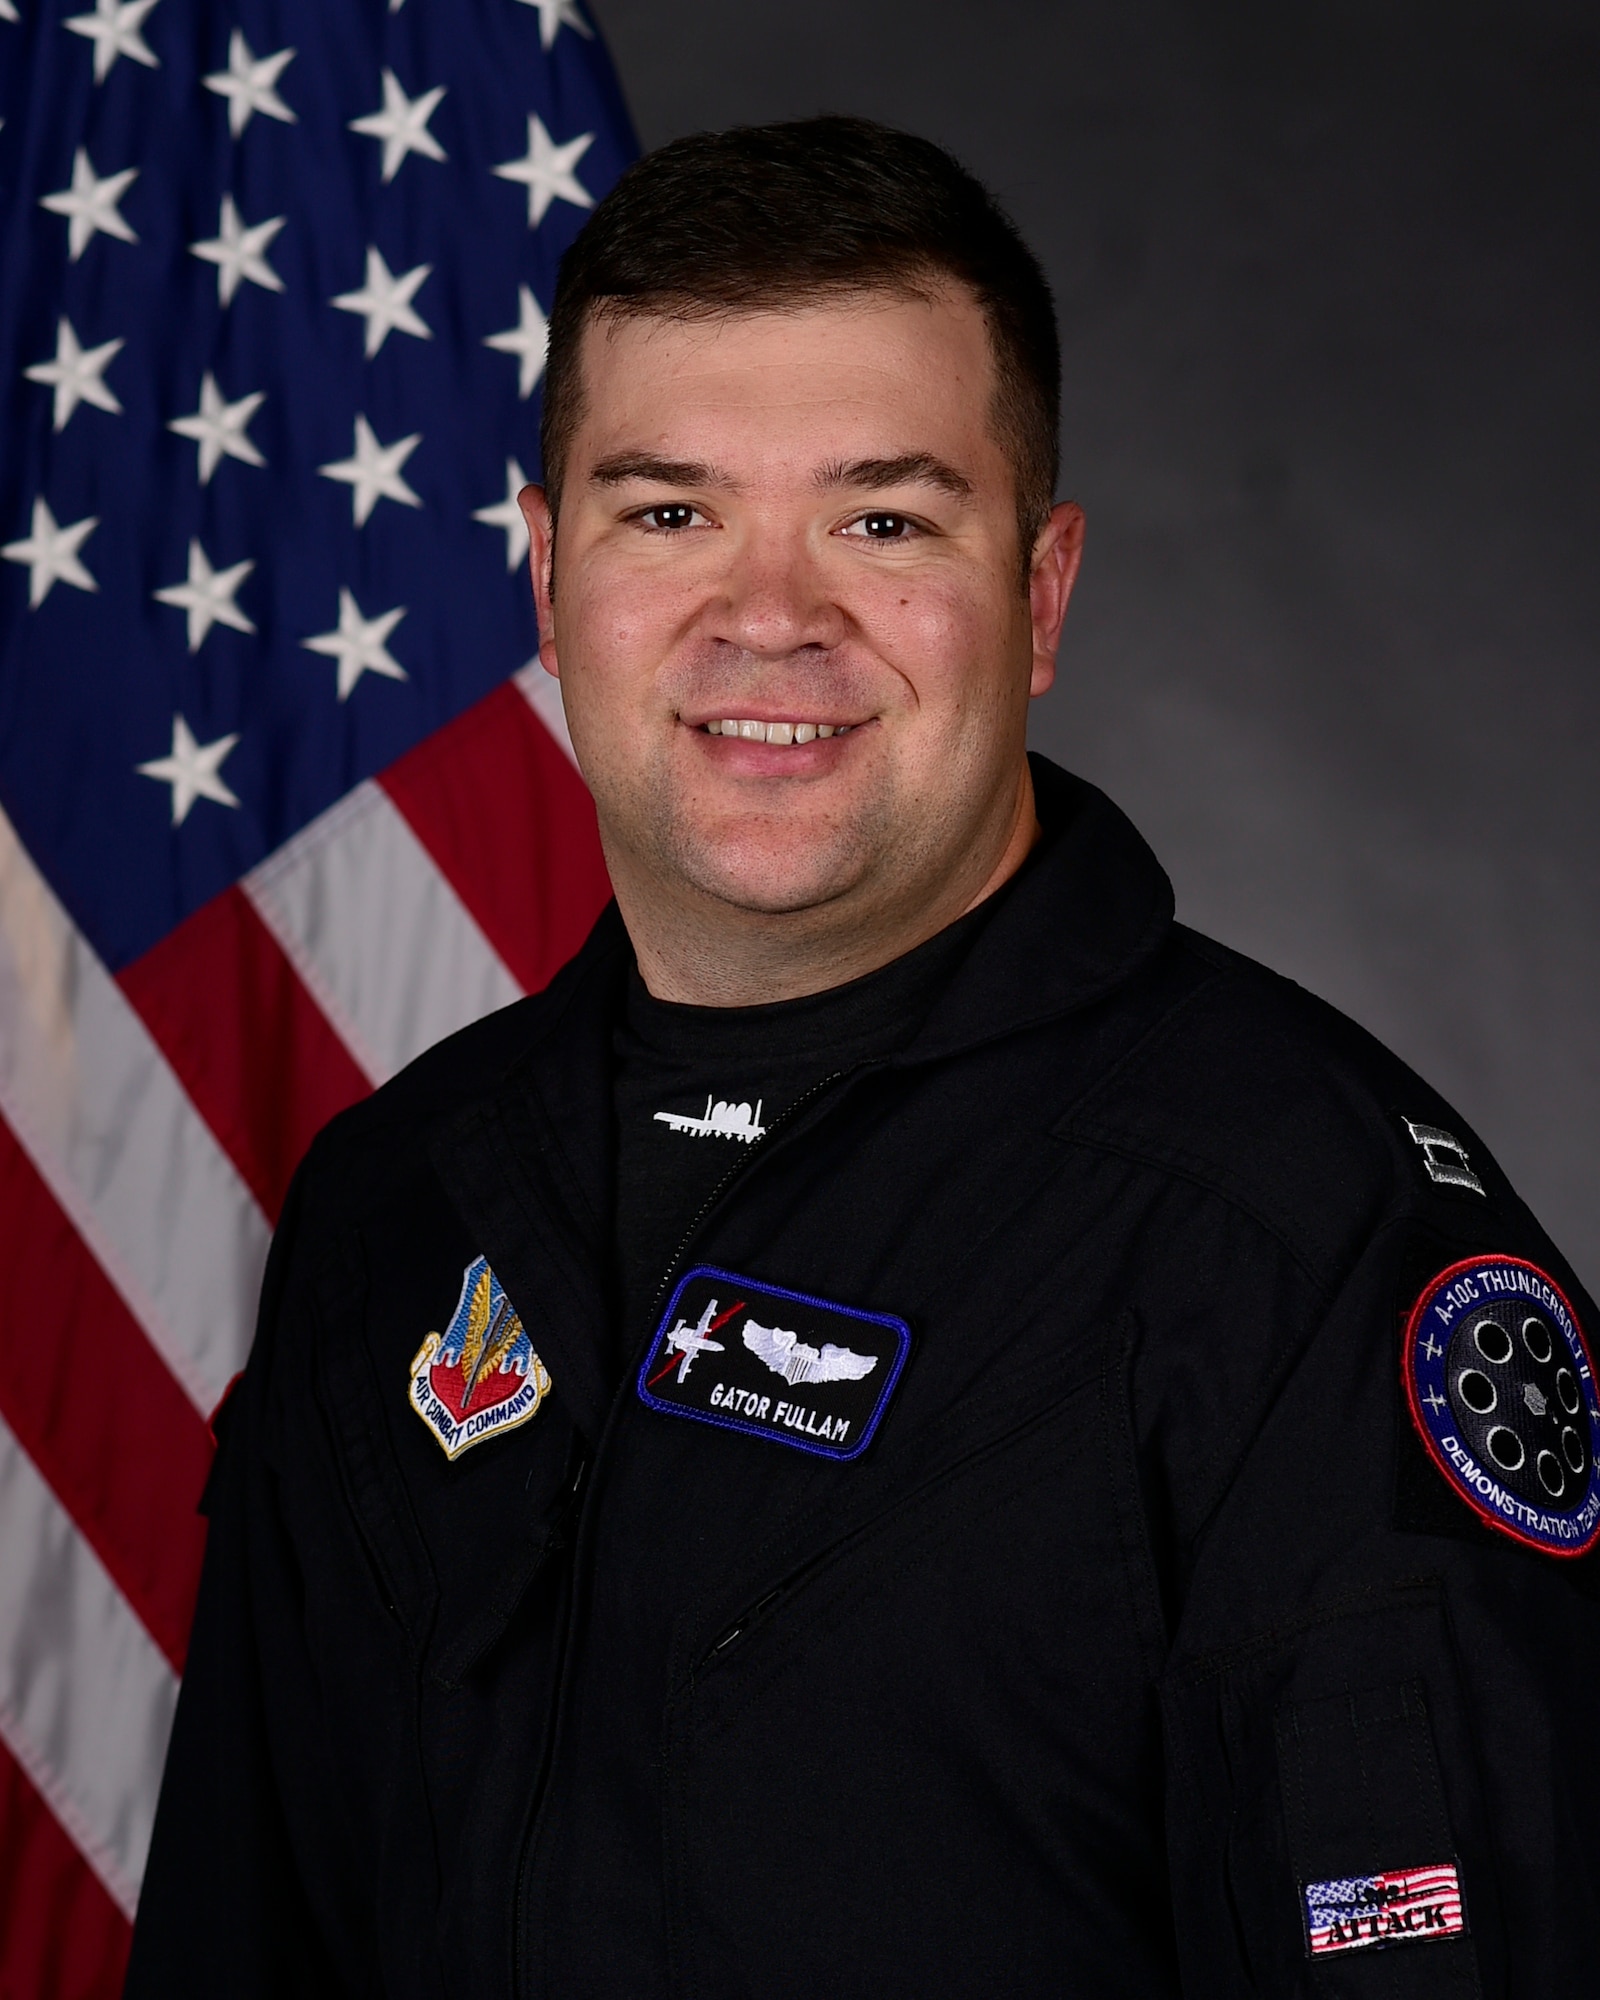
<point>944,637</point>
<point>615,627</point>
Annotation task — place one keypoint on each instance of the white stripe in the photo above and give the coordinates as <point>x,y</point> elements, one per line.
<point>375,930</point>
<point>542,693</point>
<point>118,1142</point>
<point>86,1699</point>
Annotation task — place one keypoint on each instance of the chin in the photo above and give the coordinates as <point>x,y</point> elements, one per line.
<point>772,879</point>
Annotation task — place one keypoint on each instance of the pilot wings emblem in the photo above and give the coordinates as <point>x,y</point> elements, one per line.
<point>786,1354</point>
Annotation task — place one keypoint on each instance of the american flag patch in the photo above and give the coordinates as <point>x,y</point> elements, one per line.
<point>1403,1906</point>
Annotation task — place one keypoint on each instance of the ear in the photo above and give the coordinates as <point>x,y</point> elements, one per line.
<point>541,568</point>
<point>1056,555</point>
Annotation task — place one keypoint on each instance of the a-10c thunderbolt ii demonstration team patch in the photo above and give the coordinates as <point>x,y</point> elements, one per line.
<point>775,1364</point>
<point>1501,1387</point>
<point>480,1377</point>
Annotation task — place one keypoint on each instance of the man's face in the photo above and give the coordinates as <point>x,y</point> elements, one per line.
<point>794,650</point>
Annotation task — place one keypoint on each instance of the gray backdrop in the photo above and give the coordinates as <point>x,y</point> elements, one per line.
<point>1327,277</point>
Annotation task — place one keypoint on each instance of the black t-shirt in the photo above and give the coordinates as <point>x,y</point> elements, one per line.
<point>695,1087</point>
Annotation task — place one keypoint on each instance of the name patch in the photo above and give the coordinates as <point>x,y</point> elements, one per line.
<point>1403,1906</point>
<point>1501,1389</point>
<point>750,1357</point>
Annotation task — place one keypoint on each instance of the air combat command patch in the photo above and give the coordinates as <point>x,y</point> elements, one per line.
<point>481,1376</point>
<point>750,1357</point>
<point>1501,1387</point>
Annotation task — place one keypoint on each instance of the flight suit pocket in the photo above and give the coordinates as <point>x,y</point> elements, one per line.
<point>930,1765</point>
<point>1326,1819</point>
<point>1370,1845</point>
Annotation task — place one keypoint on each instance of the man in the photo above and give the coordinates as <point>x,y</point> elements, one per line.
<point>910,1426</point>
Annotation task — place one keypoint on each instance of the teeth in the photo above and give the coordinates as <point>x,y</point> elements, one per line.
<point>785,733</point>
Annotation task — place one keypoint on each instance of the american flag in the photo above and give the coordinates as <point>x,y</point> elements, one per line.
<point>280,802</point>
<point>1400,1906</point>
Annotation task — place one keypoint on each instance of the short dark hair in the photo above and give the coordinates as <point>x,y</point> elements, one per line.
<point>769,217</point>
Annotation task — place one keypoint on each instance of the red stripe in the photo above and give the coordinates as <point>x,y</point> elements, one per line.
<point>255,1052</point>
<point>61,1936</point>
<point>94,1407</point>
<point>508,820</point>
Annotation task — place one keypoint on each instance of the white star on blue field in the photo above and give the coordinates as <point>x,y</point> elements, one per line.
<point>270,359</point>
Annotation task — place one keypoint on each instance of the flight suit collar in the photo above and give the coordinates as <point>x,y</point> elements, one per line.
<point>1088,908</point>
<point>530,1166</point>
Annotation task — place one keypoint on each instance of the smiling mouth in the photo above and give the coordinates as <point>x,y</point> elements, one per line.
<point>777,732</point>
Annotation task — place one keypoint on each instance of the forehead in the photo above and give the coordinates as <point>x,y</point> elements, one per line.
<point>880,373</point>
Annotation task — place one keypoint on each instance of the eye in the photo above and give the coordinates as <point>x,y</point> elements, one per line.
<point>669,517</point>
<point>882,527</point>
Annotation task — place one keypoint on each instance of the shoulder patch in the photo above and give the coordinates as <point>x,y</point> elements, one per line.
<point>480,1376</point>
<point>1501,1388</point>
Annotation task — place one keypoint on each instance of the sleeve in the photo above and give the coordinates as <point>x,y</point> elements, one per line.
<point>244,1892</point>
<point>1383,1763</point>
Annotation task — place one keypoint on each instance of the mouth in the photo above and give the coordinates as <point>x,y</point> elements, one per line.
<point>784,733</point>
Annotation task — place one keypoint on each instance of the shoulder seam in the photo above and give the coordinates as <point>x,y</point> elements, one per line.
<point>1075,1125</point>
<point>1081,1124</point>
<point>1323,1279</point>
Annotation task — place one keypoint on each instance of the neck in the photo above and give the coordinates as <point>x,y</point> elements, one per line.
<point>698,951</point>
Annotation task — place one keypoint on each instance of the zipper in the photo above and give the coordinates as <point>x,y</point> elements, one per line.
<point>760,1149</point>
<point>756,1613</point>
<point>585,1486</point>
<point>740,1626</point>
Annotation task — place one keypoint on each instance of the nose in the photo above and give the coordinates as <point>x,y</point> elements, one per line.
<point>775,599</point>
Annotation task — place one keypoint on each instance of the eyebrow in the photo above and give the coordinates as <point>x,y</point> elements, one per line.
<point>912,468</point>
<point>628,465</point>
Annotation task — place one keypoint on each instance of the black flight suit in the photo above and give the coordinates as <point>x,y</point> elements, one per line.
<point>1143,1609</point>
